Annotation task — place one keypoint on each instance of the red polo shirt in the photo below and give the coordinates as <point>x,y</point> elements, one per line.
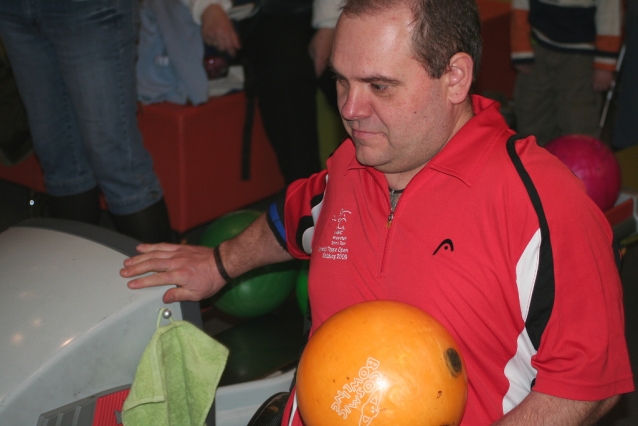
<point>465,244</point>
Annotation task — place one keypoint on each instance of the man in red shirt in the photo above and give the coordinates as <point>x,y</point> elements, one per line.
<point>433,201</point>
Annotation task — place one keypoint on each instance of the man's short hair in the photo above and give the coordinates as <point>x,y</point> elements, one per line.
<point>441,28</point>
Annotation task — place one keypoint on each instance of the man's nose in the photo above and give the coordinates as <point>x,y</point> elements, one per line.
<point>353,104</point>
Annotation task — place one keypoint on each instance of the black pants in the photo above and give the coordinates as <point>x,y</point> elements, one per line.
<point>276,51</point>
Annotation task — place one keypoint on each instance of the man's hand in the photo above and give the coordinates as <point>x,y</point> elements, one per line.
<point>218,30</point>
<point>524,68</point>
<point>602,80</point>
<point>320,48</point>
<point>190,268</point>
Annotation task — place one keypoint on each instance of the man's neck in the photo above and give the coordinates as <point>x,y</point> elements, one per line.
<point>398,181</point>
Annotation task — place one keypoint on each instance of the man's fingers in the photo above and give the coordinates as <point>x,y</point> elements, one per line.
<point>602,80</point>
<point>152,262</point>
<point>228,42</point>
<point>236,41</point>
<point>234,44</point>
<point>148,248</point>
<point>148,251</point>
<point>179,294</point>
<point>225,45</point>
<point>144,259</point>
<point>155,280</point>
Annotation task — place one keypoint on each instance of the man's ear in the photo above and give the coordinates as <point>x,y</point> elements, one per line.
<point>459,76</point>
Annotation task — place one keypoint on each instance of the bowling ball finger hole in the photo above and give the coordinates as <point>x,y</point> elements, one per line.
<point>453,360</point>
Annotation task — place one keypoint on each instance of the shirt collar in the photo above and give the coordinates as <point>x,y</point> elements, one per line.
<point>464,155</point>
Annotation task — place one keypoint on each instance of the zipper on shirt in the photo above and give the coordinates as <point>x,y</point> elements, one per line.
<point>394,200</point>
<point>395,194</point>
<point>390,219</point>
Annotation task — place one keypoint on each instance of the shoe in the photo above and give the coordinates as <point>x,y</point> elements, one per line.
<point>84,207</point>
<point>150,225</point>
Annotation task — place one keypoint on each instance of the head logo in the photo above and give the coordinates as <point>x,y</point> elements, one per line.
<point>446,244</point>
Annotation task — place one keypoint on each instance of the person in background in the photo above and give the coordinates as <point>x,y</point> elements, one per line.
<point>74,63</point>
<point>565,53</point>
<point>287,44</point>
<point>625,130</point>
<point>435,202</point>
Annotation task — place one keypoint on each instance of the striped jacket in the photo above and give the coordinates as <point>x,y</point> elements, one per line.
<point>587,26</point>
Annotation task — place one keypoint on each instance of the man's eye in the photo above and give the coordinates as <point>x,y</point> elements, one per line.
<point>378,87</point>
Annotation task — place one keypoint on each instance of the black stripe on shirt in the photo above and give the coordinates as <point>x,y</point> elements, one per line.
<point>542,302</point>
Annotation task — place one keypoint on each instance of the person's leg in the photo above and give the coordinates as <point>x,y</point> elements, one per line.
<point>94,43</point>
<point>83,207</point>
<point>52,120</point>
<point>149,225</point>
<point>578,105</point>
<point>286,86</point>
<point>95,48</point>
<point>534,100</point>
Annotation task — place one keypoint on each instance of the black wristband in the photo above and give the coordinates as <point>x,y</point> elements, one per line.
<point>220,265</point>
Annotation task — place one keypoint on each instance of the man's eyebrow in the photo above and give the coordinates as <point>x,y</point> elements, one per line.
<point>375,79</point>
<point>380,79</point>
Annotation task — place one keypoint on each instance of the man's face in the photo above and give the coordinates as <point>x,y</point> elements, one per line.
<point>397,116</point>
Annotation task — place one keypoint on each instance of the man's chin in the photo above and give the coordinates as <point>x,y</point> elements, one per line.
<point>363,157</point>
<point>367,158</point>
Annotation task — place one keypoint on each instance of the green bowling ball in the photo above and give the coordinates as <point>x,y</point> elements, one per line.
<point>301,288</point>
<point>227,226</point>
<point>256,292</point>
<point>259,291</point>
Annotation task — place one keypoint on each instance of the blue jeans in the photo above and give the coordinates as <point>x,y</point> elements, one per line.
<point>74,63</point>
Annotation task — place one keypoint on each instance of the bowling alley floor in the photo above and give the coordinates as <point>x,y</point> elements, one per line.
<point>18,203</point>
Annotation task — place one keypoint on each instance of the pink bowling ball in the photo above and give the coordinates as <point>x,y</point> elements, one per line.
<point>594,163</point>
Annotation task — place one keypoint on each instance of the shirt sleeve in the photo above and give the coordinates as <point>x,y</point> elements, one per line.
<point>583,352</point>
<point>608,34</point>
<point>197,7</point>
<point>520,33</point>
<point>302,207</point>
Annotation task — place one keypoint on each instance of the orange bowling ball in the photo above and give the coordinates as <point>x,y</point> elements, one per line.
<point>381,363</point>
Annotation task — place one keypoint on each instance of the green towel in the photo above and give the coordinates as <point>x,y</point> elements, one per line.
<point>176,378</point>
